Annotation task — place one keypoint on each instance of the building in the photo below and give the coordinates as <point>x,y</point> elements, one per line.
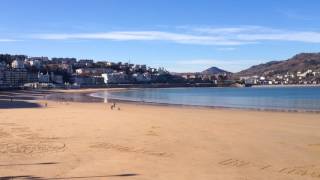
<point>57,79</point>
<point>254,80</point>
<point>115,78</point>
<point>32,78</point>
<point>88,81</point>
<point>70,61</point>
<point>142,78</point>
<point>110,64</point>
<point>2,68</point>
<point>43,78</point>
<point>38,61</point>
<point>35,63</point>
<point>2,78</point>
<point>66,67</point>
<point>15,78</point>
<point>302,75</point>
<point>17,64</point>
<point>93,71</point>
<point>85,62</point>
<point>41,59</point>
<point>138,67</point>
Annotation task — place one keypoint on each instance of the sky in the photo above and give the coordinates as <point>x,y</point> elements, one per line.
<point>179,35</point>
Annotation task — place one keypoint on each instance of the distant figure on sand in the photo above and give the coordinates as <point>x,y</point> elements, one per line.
<point>45,104</point>
<point>113,106</point>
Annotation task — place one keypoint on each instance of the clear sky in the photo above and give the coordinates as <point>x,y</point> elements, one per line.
<point>180,35</point>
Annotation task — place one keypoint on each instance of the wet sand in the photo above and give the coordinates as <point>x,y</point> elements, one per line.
<point>76,140</point>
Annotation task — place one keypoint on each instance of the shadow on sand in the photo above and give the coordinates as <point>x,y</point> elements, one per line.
<point>24,94</point>
<point>75,177</point>
<point>7,104</point>
<point>20,98</point>
<point>30,164</point>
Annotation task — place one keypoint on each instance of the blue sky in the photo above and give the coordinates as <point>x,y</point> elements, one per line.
<point>179,35</point>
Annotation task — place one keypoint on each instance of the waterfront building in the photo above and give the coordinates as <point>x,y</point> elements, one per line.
<point>2,68</point>
<point>88,81</point>
<point>15,77</point>
<point>43,78</point>
<point>142,78</point>
<point>57,79</point>
<point>32,77</point>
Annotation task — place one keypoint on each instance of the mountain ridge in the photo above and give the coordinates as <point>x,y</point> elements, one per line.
<point>214,70</point>
<point>298,63</point>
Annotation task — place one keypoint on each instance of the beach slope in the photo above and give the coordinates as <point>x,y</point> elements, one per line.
<point>69,140</point>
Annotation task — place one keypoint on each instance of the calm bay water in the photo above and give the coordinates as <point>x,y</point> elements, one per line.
<point>288,98</point>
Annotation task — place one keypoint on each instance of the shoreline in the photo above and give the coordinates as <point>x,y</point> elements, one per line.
<point>85,96</point>
<point>30,98</point>
<point>287,86</point>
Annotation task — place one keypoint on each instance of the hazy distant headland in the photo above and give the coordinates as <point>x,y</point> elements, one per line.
<point>21,71</point>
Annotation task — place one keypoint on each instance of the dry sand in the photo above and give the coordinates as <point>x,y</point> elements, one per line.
<point>90,141</point>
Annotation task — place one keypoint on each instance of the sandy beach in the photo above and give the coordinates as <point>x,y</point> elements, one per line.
<point>76,140</point>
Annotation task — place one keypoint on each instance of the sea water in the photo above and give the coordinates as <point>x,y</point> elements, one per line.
<point>279,98</point>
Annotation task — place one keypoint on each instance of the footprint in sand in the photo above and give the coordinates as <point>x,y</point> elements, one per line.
<point>314,146</point>
<point>7,124</point>
<point>19,129</point>
<point>4,134</point>
<point>151,133</point>
<point>129,149</point>
<point>31,147</point>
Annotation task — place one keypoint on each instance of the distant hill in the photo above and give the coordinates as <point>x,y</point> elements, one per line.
<point>300,62</point>
<point>214,70</point>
